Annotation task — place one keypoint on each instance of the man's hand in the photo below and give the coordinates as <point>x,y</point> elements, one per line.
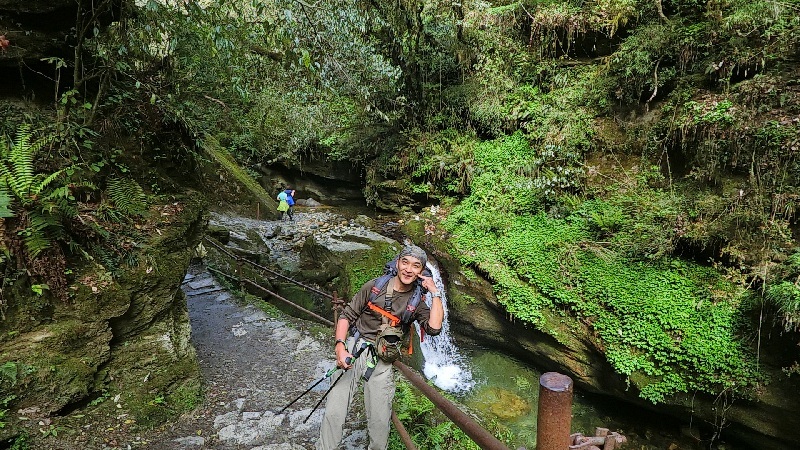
<point>342,356</point>
<point>428,284</point>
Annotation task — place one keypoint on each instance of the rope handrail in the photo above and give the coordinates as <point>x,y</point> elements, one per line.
<point>219,247</point>
<point>273,294</point>
<point>471,428</point>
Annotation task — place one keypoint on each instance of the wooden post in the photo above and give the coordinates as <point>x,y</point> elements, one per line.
<point>258,210</point>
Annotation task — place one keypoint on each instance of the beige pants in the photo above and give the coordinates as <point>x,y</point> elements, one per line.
<point>378,395</point>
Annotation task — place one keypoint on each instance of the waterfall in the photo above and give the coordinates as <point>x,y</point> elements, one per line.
<point>444,365</point>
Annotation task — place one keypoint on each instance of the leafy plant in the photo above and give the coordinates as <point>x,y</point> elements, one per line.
<point>39,201</point>
<point>427,428</point>
<point>8,377</point>
<point>5,202</point>
<point>127,195</point>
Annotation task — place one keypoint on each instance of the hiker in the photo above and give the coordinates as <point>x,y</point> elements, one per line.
<point>290,201</point>
<point>378,315</point>
<point>283,205</point>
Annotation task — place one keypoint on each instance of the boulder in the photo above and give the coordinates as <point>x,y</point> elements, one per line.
<point>346,258</point>
<point>309,202</point>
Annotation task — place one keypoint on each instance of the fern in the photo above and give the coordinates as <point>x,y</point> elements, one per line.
<point>41,202</point>
<point>128,196</point>
<point>5,202</point>
<point>17,170</point>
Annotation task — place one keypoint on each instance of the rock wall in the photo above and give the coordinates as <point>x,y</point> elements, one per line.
<point>334,186</point>
<point>119,345</point>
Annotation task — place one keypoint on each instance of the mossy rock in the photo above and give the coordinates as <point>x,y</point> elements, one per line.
<point>347,260</point>
<point>501,403</point>
<point>93,345</point>
<point>219,233</point>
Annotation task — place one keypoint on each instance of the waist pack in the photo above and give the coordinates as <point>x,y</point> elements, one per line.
<point>390,343</point>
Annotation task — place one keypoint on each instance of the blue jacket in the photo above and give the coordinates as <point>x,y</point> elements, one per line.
<point>289,198</point>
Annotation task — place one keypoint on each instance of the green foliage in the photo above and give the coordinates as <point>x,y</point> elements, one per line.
<point>669,325</point>
<point>5,202</point>
<point>716,113</point>
<point>20,443</point>
<point>428,429</point>
<point>42,200</point>
<point>785,296</point>
<point>128,196</point>
<point>8,378</point>
<point>637,65</point>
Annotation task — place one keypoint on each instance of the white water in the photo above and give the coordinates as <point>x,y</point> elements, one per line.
<point>444,365</point>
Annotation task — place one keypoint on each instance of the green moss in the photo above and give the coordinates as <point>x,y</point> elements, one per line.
<point>229,164</point>
<point>367,265</point>
<point>673,323</point>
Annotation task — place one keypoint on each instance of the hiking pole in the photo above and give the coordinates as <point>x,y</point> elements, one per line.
<point>327,375</point>
<point>348,360</point>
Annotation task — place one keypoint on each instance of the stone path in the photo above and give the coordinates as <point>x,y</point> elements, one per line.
<point>253,365</point>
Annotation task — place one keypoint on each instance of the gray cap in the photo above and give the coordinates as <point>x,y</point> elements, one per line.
<point>416,252</point>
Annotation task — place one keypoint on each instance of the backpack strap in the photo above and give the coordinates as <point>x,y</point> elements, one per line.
<point>380,283</point>
<point>413,302</point>
<point>393,320</point>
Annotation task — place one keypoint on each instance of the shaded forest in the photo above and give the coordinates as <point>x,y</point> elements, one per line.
<point>623,171</point>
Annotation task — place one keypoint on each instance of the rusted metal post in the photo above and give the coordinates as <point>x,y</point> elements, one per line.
<point>335,304</point>
<point>555,412</point>
<point>239,273</point>
<point>402,432</point>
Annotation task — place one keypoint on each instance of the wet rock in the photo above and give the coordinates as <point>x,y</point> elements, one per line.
<point>365,221</point>
<point>502,403</point>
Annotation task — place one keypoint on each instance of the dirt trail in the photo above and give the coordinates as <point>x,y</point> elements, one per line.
<point>252,365</point>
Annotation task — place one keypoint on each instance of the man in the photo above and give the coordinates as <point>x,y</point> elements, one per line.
<point>379,388</point>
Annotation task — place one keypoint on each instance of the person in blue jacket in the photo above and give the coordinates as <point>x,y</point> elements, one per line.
<point>290,200</point>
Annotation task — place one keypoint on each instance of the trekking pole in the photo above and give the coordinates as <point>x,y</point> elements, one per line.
<point>327,375</point>
<point>353,358</point>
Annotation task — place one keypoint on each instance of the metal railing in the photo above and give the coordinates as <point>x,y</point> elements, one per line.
<point>555,390</point>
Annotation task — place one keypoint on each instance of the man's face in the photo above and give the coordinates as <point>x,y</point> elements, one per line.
<point>408,269</point>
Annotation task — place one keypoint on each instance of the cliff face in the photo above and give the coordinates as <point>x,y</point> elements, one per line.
<point>122,337</point>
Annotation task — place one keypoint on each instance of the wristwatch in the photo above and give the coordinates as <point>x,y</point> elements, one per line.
<point>343,343</point>
<point>436,294</point>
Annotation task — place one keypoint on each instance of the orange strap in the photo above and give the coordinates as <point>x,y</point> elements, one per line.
<point>394,320</point>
